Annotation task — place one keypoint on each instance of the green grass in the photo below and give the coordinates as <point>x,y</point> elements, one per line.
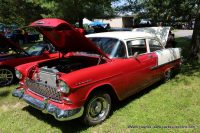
<point>175,103</point>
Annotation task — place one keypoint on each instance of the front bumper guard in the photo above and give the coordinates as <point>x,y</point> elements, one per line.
<point>45,107</point>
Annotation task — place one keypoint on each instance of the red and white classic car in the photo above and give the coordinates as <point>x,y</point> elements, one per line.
<point>94,70</point>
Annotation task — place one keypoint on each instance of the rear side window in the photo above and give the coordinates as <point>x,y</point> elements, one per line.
<point>154,45</point>
<point>138,45</point>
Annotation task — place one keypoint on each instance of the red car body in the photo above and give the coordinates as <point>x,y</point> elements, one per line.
<point>91,78</point>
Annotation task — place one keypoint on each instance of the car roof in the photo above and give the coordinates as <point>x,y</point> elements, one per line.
<point>122,35</point>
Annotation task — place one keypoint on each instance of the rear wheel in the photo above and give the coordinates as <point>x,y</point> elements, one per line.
<point>6,76</point>
<point>167,75</point>
<point>97,109</point>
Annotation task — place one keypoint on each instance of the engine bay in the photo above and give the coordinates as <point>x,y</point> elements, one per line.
<point>70,64</point>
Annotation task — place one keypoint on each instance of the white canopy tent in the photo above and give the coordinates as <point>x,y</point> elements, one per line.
<point>86,21</point>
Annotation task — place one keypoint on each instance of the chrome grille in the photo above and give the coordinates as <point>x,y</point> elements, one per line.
<point>43,90</point>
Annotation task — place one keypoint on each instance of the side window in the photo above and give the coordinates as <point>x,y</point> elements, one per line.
<point>154,45</point>
<point>138,45</point>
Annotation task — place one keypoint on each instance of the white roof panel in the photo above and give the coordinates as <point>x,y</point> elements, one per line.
<point>122,35</point>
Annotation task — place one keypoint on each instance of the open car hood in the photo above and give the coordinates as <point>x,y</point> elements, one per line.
<point>160,32</point>
<point>65,37</point>
<point>6,44</point>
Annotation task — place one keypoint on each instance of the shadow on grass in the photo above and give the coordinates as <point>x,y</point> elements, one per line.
<point>75,125</point>
<point>71,126</point>
<point>138,95</point>
<point>189,68</point>
<point>184,44</point>
<point>4,93</point>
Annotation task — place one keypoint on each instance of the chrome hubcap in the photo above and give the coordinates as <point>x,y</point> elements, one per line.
<point>6,77</point>
<point>98,109</point>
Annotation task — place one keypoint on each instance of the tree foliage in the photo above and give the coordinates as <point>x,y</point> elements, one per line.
<point>161,10</point>
<point>76,10</point>
<point>20,12</point>
<point>25,11</point>
<point>130,6</point>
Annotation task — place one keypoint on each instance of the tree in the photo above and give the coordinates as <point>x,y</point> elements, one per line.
<point>161,10</point>
<point>23,12</point>
<point>130,6</point>
<point>195,43</point>
<point>6,11</point>
<point>75,10</point>
<point>20,12</point>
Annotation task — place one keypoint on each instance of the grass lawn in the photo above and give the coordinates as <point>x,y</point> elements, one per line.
<point>175,103</point>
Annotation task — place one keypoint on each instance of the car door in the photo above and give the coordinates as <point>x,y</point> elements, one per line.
<point>139,62</point>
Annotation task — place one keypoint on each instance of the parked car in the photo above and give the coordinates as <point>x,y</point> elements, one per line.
<point>94,71</point>
<point>12,55</point>
<point>21,36</point>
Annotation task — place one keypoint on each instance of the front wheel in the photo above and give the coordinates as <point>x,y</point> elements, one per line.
<point>6,76</point>
<point>97,109</point>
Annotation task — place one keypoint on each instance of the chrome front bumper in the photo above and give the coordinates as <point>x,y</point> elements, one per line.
<point>59,114</point>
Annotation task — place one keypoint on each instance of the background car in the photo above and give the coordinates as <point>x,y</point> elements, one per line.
<point>94,72</point>
<point>12,55</point>
<point>22,36</point>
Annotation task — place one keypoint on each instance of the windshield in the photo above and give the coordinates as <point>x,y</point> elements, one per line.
<point>114,48</point>
<point>39,48</point>
<point>35,50</point>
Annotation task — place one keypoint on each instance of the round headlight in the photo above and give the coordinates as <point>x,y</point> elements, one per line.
<point>18,74</point>
<point>63,86</point>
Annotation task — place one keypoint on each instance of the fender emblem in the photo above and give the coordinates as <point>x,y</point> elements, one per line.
<point>83,82</point>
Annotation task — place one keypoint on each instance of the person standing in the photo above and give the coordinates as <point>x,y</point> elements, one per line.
<point>171,43</point>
